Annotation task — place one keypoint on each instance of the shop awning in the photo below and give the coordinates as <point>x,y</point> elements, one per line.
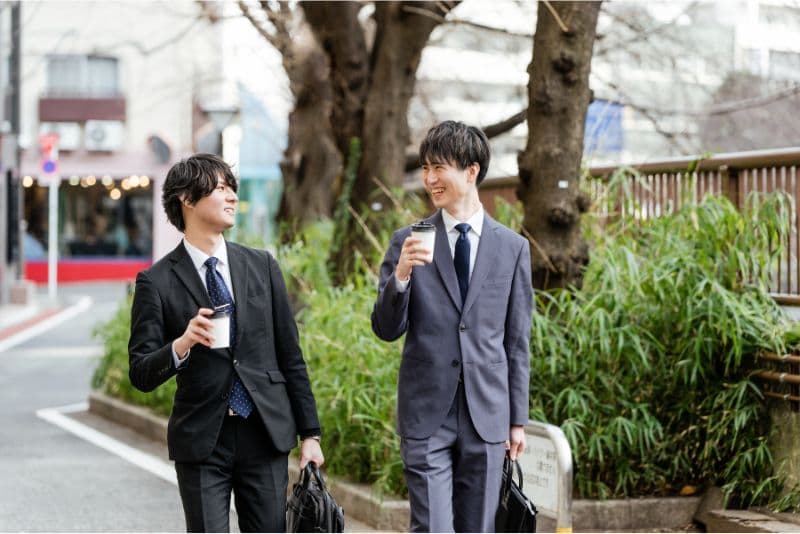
<point>83,163</point>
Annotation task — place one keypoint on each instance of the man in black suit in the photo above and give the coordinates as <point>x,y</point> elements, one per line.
<point>239,410</point>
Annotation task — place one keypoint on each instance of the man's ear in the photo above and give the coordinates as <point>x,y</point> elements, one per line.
<point>473,171</point>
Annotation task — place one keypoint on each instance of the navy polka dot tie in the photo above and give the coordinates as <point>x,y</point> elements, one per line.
<point>239,400</point>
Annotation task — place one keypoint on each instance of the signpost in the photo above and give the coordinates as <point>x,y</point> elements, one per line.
<point>547,473</point>
<point>48,145</point>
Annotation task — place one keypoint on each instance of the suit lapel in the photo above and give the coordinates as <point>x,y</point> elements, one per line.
<point>238,268</point>
<point>187,274</point>
<point>485,258</point>
<point>444,260</point>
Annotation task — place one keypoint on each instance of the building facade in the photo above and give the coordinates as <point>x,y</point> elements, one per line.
<point>124,90</point>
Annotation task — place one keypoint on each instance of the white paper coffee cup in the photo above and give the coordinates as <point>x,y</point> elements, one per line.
<point>221,321</point>
<point>426,233</point>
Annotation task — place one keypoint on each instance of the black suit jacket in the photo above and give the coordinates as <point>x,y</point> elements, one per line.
<point>266,354</point>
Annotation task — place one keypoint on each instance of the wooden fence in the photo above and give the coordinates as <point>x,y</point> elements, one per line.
<point>663,186</point>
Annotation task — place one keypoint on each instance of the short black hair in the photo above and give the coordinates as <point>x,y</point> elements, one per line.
<point>457,144</point>
<point>192,179</point>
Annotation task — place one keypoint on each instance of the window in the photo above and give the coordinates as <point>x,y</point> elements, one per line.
<point>784,65</point>
<point>73,75</point>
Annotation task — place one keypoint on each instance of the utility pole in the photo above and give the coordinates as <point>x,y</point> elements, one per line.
<point>10,195</point>
<point>11,198</point>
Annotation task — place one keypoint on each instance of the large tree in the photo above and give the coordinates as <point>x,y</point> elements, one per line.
<point>373,72</point>
<point>549,167</point>
<point>311,160</point>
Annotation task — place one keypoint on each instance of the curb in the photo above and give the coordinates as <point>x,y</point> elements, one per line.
<point>748,521</point>
<point>360,503</point>
<point>356,499</point>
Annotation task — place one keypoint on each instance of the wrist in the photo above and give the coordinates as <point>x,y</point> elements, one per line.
<point>402,278</point>
<point>181,348</point>
<point>318,439</point>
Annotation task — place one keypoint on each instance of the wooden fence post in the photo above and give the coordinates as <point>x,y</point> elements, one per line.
<point>730,184</point>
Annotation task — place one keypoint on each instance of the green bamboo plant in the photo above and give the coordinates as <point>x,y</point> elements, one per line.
<point>646,368</point>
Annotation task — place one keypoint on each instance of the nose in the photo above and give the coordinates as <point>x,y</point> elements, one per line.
<point>428,177</point>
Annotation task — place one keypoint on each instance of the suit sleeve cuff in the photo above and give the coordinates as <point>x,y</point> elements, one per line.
<point>310,433</point>
<point>401,285</point>
<point>176,359</point>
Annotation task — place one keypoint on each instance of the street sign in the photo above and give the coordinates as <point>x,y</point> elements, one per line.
<point>48,146</point>
<point>547,472</point>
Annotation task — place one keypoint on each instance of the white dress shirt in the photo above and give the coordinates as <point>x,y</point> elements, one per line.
<point>198,260</point>
<point>476,227</point>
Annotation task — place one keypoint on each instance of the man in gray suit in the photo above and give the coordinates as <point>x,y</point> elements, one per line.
<point>462,394</point>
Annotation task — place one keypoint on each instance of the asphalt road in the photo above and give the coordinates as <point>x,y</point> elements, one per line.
<point>50,479</point>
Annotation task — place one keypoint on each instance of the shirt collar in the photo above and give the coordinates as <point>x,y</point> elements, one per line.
<point>199,257</point>
<point>475,221</point>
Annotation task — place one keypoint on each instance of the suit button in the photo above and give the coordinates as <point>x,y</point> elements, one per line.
<point>224,396</point>
<point>455,363</point>
<point>462,327</point>
<point>235,362</point>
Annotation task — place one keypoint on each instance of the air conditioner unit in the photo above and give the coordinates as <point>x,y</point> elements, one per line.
<point>103,135</point>
<point>69,133</point>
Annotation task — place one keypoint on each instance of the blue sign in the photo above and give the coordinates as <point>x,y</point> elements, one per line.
<point>49,166</point>
<point>603,134</point>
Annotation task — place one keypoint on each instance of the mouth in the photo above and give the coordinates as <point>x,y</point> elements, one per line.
<point>436,191</point>
<point>232,211</point>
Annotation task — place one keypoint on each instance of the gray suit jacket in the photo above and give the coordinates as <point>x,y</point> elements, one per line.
<point>488,336</point>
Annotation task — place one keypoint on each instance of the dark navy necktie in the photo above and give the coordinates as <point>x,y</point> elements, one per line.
<point>461,259</point>
<point>238,399</point>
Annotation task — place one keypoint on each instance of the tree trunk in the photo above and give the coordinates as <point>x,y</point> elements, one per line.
<point>341,36</point>
<point>549,168</point>
<point>403,29</point>
<point>311,160</point>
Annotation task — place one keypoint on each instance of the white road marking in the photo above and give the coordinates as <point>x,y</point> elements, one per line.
<point>148,462</point>
<point>86,351</point>
<point>39,328</point>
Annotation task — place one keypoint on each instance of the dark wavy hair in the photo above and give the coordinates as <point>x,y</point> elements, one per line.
<point>192,179</point>
<point>458,144</point>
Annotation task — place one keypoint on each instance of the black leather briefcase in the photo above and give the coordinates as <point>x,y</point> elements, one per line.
<point>310,507</point>
<point>516,512</point>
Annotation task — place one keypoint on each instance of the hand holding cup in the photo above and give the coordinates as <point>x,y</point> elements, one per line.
<point>199,330</point>
<point>417,249</point>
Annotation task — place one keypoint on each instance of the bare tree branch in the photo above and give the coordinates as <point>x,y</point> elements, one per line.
<point>553,12</point>
<point>641,34</point>
<point>424,12</point>
<point>274,40</point>
<point>479,26</point>
<point>651,116</point>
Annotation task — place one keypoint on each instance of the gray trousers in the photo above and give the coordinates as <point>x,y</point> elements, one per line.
<point>454,476</point>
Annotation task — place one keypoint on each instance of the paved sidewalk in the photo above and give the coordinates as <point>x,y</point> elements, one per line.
<point>159,450</point>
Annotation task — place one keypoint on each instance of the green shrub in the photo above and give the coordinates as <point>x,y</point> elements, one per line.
<point>646,368</point>
<point>354,377</point>
<point>111,374</point>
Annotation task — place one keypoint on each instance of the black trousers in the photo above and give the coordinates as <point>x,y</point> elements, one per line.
<point>245,462</point>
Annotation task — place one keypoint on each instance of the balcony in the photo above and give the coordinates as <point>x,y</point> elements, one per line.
<point>80,108</point>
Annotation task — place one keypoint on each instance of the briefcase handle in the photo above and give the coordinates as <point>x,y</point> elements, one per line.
<point>509,466</point>
<point>311,470</point>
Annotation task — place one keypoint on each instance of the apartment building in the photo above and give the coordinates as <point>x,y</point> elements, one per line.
<point>123,89</point>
